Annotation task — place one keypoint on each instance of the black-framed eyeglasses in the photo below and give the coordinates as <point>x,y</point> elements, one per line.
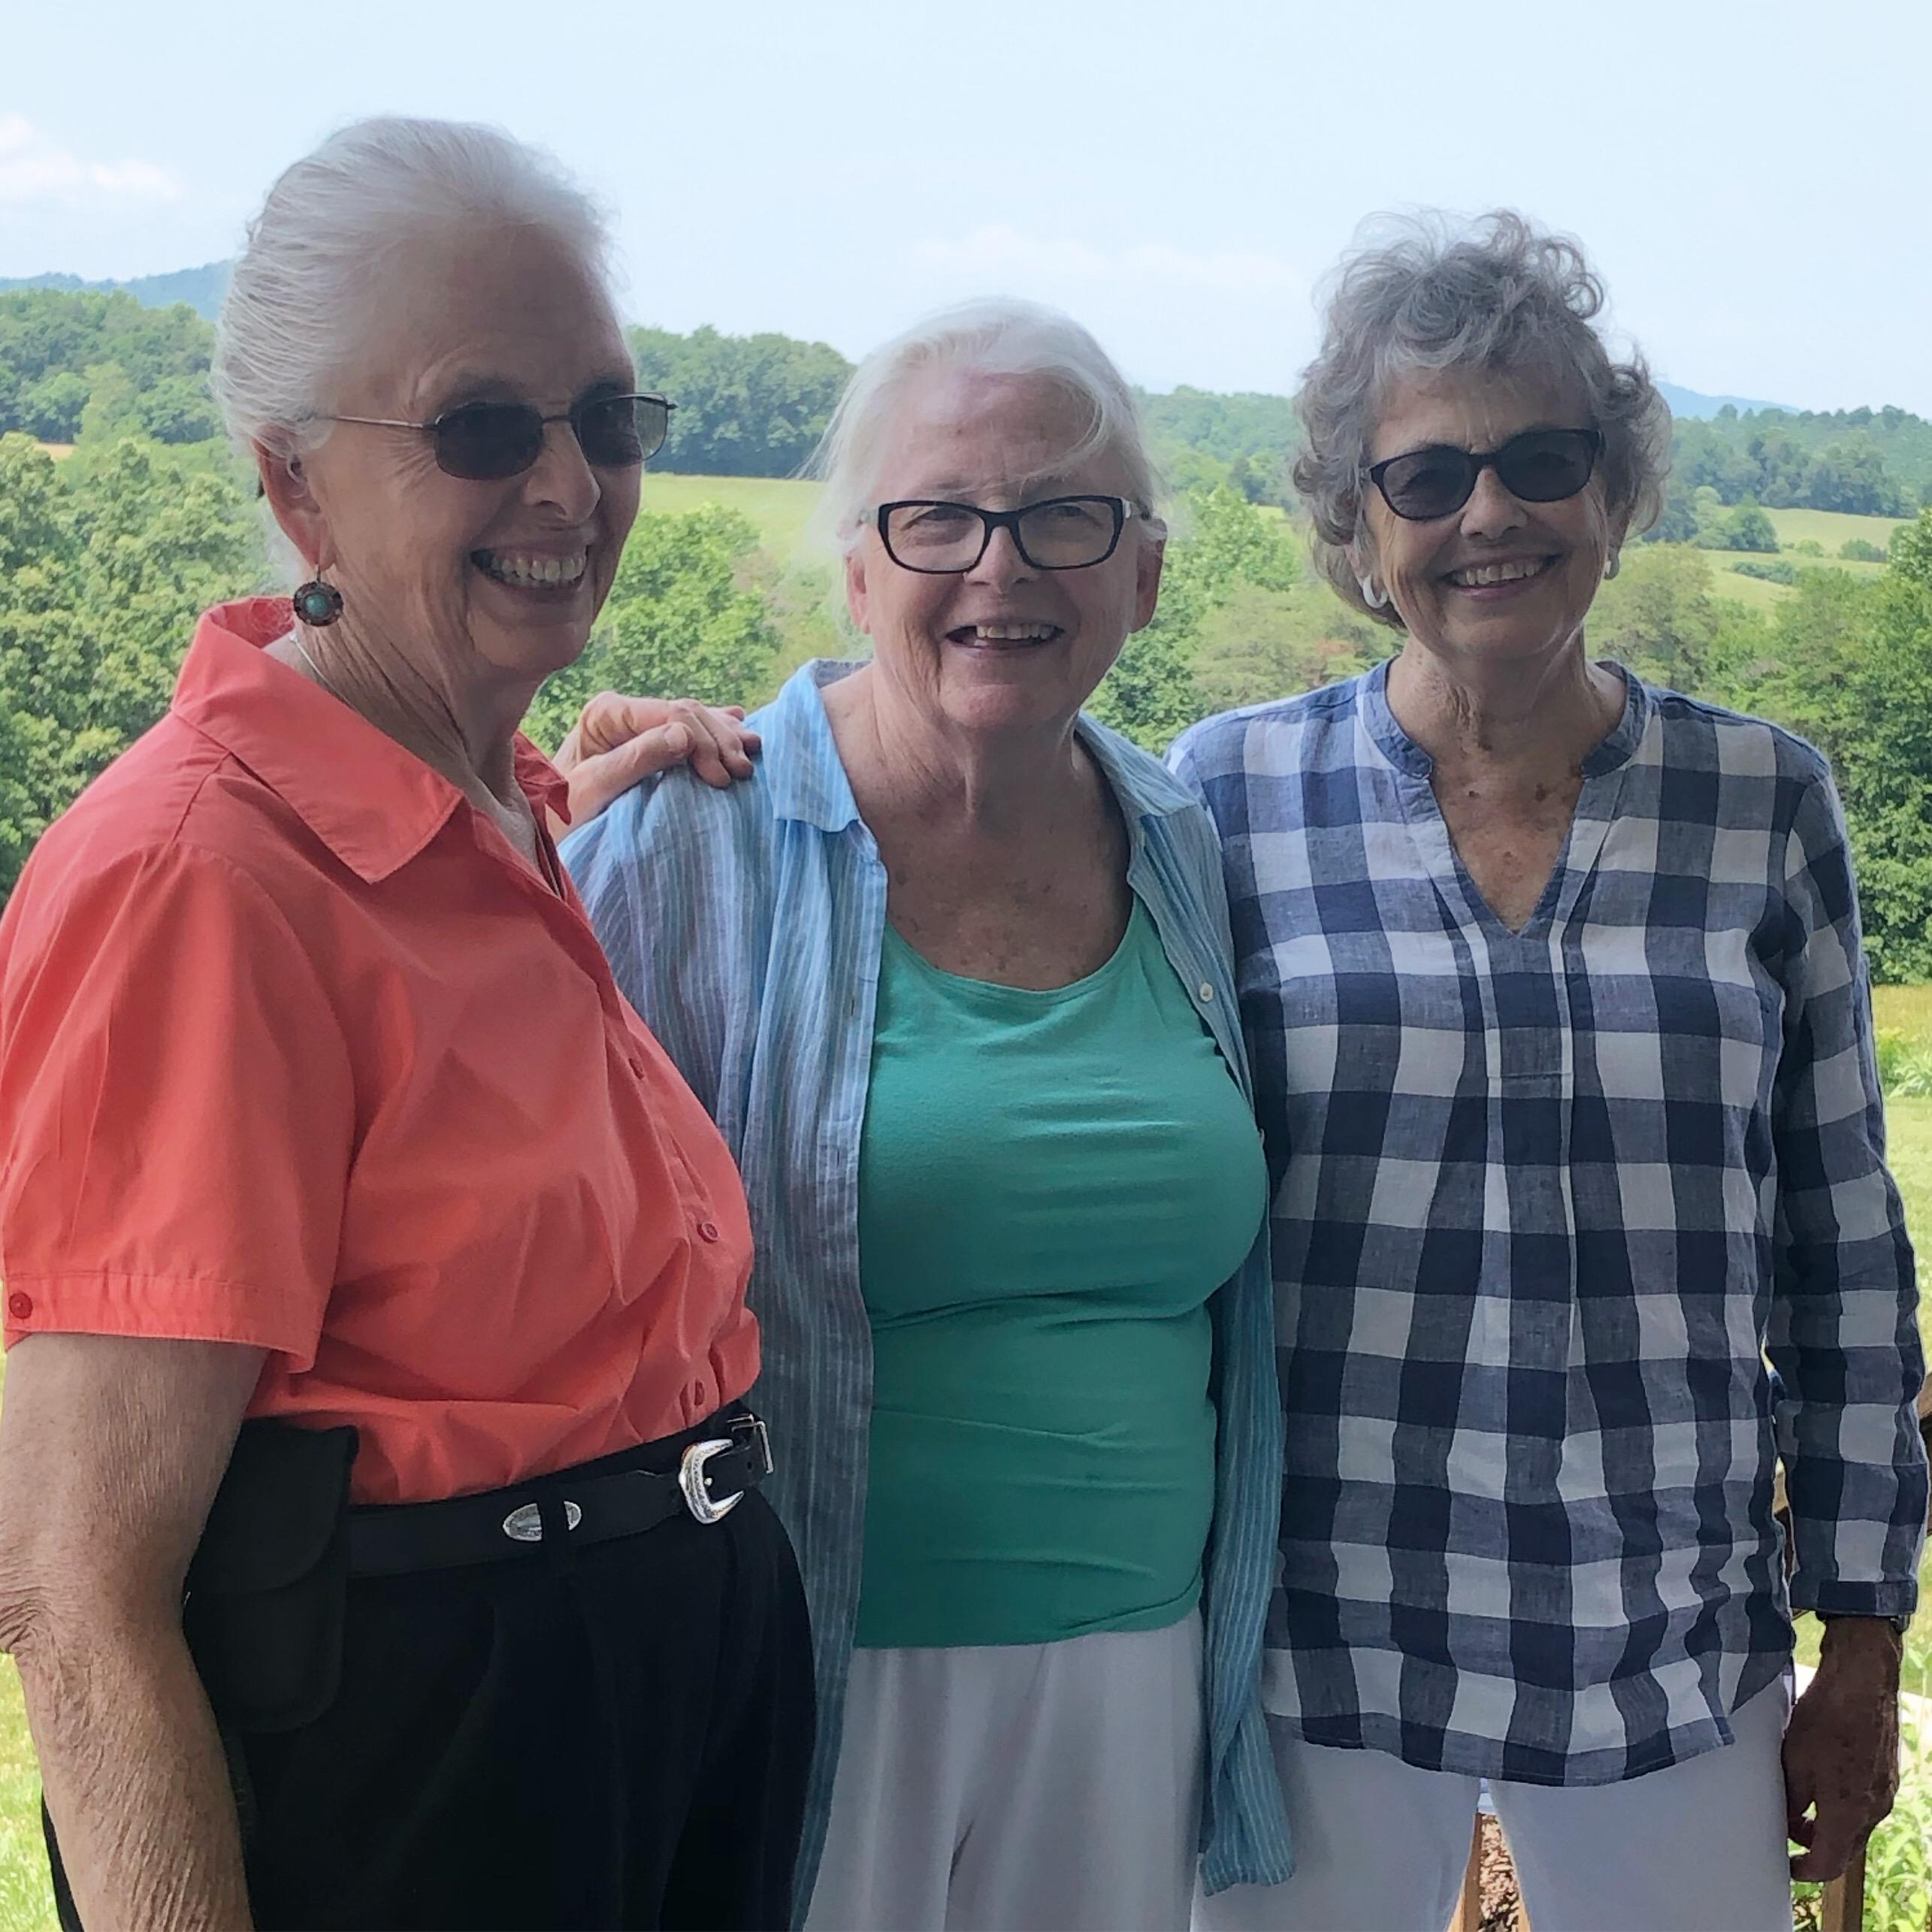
<point>485,442</point>
<point>1541,466</point>
<point>938,538</point>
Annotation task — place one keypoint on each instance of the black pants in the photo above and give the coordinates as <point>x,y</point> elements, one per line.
<point>616,1735</point>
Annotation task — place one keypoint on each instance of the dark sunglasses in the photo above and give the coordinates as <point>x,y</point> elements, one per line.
<point>484,442</point>
<point>1542,465</point>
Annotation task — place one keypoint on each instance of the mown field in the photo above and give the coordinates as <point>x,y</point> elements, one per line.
<point>1828,529</point>
<point>782,510</point>
<point>780,507</point>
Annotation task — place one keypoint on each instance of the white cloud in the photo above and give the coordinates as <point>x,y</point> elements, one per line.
<point>994,254</point>
<point>35,170</point>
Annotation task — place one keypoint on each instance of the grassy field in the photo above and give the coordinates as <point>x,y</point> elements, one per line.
<point>1826,527</point>
<point>1830,528</point>
<point>780,507</point>
<point>782,510</point>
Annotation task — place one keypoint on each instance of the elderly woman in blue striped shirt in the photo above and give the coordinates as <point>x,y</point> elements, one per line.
<point>952,974</point>
<point>1559,1020</point>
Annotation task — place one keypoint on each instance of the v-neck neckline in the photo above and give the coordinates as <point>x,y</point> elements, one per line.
<point>1603,770</point>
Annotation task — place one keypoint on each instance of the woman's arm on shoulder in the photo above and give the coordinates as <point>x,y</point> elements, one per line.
<point>618,741</point>
<point>111,1449</point>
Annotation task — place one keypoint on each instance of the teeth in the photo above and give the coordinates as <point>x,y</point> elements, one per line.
<point>1014,633</point>
<point>1478,575</point>
<point>508,567</point>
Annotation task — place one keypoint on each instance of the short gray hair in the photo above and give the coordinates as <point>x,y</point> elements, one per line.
<point>996,337</point>
<point>1495,295</point>
<point>333,223</point>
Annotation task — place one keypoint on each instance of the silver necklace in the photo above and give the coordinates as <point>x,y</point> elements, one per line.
<point>315,670</point>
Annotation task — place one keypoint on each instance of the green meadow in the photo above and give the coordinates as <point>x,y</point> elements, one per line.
<point>781,507</point>
<point>1830,530</point>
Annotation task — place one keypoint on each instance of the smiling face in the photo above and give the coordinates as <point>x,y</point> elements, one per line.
<point>1499,579</point>
<point>498,579</point>
<point>1002,646</point>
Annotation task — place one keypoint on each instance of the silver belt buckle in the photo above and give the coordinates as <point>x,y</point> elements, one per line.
<point>750,1430</point>
<point>698,1499</point>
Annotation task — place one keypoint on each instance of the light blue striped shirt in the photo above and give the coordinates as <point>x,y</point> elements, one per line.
<point>746,926</point>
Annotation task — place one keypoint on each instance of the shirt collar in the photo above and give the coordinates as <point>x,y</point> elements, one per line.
<point>1405,754</point>
<point>374,805</point>
<point>806,777</point>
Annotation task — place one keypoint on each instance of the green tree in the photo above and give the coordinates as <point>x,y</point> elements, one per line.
<point>747,406</point>
<point>51,408</point>
<point>682,621</point>
<point>178,409</point>
<point>101,577</point>
<point>1246,440</point>
<point>114,404</point>
<point>1260,644</point>
<point>1847,663</point>
<point>51,340</point>
<point>1747,528</point>
<point>1221,542</point>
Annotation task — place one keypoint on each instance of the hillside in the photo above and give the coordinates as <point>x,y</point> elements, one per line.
<point>1694,405</point>
<point>201,289</point>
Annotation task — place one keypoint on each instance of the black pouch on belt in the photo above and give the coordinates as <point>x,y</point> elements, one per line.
<point>267,1589</point>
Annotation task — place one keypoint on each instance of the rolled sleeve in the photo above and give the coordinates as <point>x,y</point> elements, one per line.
<point>176,1108</point>
<point>1844,1332</point>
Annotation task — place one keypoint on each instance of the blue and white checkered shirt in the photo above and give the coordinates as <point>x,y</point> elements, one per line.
<point>1546,1203</point>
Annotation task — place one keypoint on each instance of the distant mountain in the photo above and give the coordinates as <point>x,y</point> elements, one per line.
<point>201,288</point>
<point>1692,402</point>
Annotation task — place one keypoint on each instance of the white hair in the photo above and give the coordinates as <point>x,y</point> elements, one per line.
<point>335,222</point>
<point>996,337</point>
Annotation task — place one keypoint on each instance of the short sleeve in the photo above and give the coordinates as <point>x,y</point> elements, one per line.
<point>176,1108</point>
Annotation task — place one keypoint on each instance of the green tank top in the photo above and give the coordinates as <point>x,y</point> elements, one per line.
<point>1051,1186</point>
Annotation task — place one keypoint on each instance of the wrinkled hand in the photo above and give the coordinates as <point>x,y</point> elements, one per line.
<point>617,741</point>
<point>1841,1750</point>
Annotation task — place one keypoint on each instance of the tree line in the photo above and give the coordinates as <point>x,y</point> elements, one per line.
<point>61,353</point>
<point>755,406</point>
<point>107,555</point>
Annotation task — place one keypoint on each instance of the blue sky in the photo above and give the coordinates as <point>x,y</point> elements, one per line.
<point>1749,179</point>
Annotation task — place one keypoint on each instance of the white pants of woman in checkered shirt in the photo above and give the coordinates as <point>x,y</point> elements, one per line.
<point>1380,1846</point>
<point>1019,1788</point>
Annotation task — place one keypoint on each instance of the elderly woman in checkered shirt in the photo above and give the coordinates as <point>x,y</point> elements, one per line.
<point>1560,1027</point>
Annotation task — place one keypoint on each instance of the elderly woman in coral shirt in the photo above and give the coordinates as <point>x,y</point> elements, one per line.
<point>320,1107</point>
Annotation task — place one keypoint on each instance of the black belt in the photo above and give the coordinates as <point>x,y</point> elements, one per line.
<point>712,1475</point>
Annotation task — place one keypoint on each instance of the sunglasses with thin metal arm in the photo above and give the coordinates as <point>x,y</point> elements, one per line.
<point>1541,466</point>
<point>485,442</point>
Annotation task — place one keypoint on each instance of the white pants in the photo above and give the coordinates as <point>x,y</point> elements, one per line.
<point>1028,1788</point>
<point>1380,1846</point>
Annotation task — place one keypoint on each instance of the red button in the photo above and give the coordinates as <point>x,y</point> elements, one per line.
<point>707,1231</point>
<point>637,1065</point>
<point>697,1401</point>
<point>19,1306</point>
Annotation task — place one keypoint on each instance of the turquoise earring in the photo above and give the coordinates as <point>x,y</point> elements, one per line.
<point>317,604</point>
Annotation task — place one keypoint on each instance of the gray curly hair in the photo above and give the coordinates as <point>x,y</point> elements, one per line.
<point>1498,294</point>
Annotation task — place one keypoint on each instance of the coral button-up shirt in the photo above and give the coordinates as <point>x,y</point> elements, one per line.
<point>296,1052</point>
